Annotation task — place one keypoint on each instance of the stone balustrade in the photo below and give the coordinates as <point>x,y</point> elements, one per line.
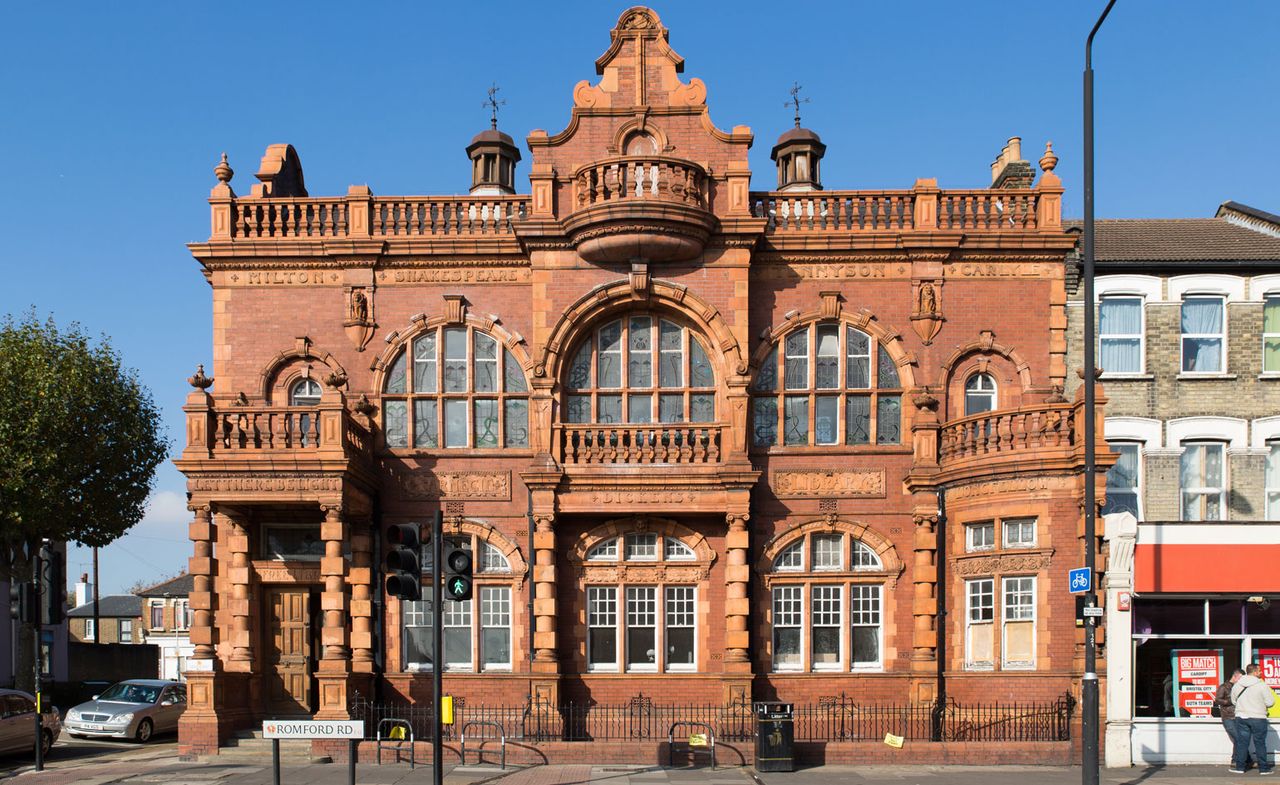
<point>235,430</point>
<point>363,215</point>
<point>645,178</point>
<point>657,443</point>
<point>1008,210</point>
<point>1016,433</point>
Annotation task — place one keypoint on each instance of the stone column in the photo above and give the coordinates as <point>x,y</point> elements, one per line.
<point>333,600</point>
<point>924,605</point>
<point>240,576</point>
<point>360,579</point>
<point>202,567</point>
<point>737,605</point>
<point>545,656</point>
<point>1121,531</point>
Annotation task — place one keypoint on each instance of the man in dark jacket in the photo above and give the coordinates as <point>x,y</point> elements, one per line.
<point>1227,710</point>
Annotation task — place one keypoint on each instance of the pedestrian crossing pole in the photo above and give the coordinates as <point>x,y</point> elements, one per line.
<point>437,636</point>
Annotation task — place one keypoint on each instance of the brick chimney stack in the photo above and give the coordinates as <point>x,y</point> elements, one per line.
<point>1009,170</point>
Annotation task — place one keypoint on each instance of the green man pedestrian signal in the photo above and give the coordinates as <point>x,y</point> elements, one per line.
<point>404,569</point>
<point>457,578</point>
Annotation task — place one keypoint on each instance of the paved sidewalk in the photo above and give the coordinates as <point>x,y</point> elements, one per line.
<point>170,771</point>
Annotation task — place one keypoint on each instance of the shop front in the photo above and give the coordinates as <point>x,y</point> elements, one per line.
<point>1205,600</point>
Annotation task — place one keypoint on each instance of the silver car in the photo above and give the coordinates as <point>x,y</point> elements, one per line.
<point>17,726</point>
<point>136,709</point>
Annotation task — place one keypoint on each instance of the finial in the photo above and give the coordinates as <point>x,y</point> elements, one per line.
<point>796,100</point>
<point>493,103</point>
<point>1049,160</point>
<point>199,380</point>
<point>223,170</point>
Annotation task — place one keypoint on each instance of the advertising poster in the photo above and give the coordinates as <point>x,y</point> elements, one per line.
<point>1269,661</point>
<point>1196,676</point>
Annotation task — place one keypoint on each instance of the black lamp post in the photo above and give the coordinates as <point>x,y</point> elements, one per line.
<point>1089,684</point>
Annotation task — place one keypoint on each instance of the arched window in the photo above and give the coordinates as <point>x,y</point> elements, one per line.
<point>459,382</point>
<point>477,632</point>
<point>641,369</point>
<point>827,384</point>
<point>825,615</point>
<point>640,143</point>
<point>979,394</point>
<point>304,392</point>
<point>632,624</point>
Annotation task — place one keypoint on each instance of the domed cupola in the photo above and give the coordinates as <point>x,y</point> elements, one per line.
<point>798,153</point>
<point>493,156</point>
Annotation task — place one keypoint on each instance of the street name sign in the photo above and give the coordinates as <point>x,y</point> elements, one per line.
<point>313,729</point>
<point>1080,580</point>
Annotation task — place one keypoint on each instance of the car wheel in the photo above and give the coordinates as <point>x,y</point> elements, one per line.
<point>46,743</point>
<point>143,734</point>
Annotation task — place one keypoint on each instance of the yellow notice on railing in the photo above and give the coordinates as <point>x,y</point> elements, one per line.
<point>698,740</point>
<point>446,710</point>
<point>893,741</point>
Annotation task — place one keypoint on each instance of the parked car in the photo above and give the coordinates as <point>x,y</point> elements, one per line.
<point>17,729</point>
<point>135,709</point>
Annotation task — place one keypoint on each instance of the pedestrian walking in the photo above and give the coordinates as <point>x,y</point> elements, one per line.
<point>1227,711</point>
<point>1251,697</point>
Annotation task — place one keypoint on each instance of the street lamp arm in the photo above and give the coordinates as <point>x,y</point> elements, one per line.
<point>1088,44</point>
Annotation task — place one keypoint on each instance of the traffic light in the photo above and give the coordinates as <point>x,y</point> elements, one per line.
<point>404,569</point>
<point>457,578</point>
<point>53,585</point>
<point>22,602</point>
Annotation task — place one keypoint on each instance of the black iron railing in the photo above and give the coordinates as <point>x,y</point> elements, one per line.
<point>829,720</point>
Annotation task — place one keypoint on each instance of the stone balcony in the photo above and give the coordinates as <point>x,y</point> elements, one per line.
<point>639,207</point>
<point>682,444</point>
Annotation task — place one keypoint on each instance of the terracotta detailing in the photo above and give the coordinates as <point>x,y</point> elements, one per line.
<point>544,595</point>
<point>360,578</point>
<point>333,600</point>
<point>737,603</point>
<point>924,605</point>
<point>240,576</point>
<point>203,567</point>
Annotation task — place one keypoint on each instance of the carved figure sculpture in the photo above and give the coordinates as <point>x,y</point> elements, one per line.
<point>359,306</point>
<point>928,299</point>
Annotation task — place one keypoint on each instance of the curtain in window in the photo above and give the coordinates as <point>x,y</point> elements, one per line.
<point>1120,317</point>
<point>1273,483</point>
<point>1122,481</point>
<point>1201,317</point>
<point>1271,335</point>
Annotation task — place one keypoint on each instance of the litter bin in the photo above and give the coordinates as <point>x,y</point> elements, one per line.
<point>775,736</point>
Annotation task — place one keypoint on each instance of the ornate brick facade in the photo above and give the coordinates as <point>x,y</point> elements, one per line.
<point>650,399</point>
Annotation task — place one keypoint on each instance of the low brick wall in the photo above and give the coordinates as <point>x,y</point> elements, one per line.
<point>650,753</point>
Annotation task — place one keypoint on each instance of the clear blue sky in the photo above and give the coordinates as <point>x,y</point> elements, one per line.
<point>114,115</point>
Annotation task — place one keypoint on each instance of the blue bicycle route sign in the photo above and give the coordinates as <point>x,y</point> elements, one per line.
<point>1080,580</point>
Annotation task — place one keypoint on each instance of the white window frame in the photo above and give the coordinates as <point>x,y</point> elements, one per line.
<point>415,614</point>
<point>877,598</point>
<point>151,610</point>
<point>1138,480</point>
<point>675,549</point>
<point>90,632</point>
<point>1221,336</point>
<point>993,392</point>
<point>790,558</point>
<point>667,665</point>
<point>632,548</point>
<point>970,543</point>
<point>453,611</point>
<point>973,610</point>
<point>492,561</point>
<point>494,616</point>
<point>1140,335</point>
<point>797,590</point>
<point>606,596</point>
<point>1272,482</point>
<point>864,557</point>
<point>120,627</point>
<point>1025,586</point>
<point>1019,523</point>
<point>636,591</point>
<point>835,595</point>
<point>606,550</point>
<point>180,610</point>
<point>1269,299</point>
<point>1204,491</point>
<point>827,539</point>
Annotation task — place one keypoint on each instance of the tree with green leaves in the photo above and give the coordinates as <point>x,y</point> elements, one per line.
<point>80,441</point>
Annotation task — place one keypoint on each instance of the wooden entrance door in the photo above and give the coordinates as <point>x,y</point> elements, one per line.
<point>289,651</point>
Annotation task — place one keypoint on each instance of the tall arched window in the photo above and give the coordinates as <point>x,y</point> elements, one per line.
<point>826,611</point>
<point>459,382</point>
<point>640,369</point>
<point>305,392</point>
<point>827,384</point>
<point>979,394</point>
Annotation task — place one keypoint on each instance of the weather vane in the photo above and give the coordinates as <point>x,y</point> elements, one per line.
<point>796,100</point>
<point>493,103</point>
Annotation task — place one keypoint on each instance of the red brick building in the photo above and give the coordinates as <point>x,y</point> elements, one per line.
<point>694,433</point>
